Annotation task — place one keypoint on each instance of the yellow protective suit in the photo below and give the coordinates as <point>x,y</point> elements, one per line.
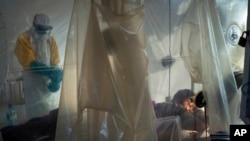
<point>38,99</point>
<point>26,54</point>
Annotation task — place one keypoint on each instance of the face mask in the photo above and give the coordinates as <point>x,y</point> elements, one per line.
<point>41,36</point>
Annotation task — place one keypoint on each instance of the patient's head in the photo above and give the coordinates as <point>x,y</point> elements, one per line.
<point>183,98</point>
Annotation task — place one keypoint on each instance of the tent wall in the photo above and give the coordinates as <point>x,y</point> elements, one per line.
<point>190,48</point>
<point>111,82</point>
<point>118,56</point>
<point>17,17</point>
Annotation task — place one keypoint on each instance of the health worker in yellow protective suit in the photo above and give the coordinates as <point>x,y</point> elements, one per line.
<point>37,52</point>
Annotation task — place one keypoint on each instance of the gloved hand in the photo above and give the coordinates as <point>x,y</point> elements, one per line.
<point>53,86</point>
<point>40,68</point>
<point>56,78</point>
<point>53,73</point>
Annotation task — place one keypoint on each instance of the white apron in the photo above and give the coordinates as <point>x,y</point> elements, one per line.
<point>38,99</point>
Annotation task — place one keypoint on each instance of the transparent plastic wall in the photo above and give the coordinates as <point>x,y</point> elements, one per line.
<point>25,93</point>
<point>214,68</point>
<point>121,55</point>
<point>196,47</point>
<point>105,94</point>
<point>188,45</point>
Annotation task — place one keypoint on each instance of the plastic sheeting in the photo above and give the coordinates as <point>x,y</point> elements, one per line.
<point>121,55</point>
<point>197,53</point>
<point>216,75</point>
<point>111,76</point>
<point>197,35</point>
<point>16,17</point>
<point>169,129</point>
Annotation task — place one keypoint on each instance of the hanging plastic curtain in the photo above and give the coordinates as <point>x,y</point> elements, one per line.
<point>163,20</point>
<point>203,49</point>
<point>105,94</point>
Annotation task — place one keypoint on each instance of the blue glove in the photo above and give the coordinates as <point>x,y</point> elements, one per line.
<point>56,78</point>
<point>40,68</point>
<point>54,87</point>
<point>53,73</point>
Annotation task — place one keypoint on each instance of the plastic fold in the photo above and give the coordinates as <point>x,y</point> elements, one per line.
<point>119,59</point>
<point>112,78</point>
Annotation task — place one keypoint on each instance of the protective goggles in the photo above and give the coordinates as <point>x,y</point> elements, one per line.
<point>43,29</point>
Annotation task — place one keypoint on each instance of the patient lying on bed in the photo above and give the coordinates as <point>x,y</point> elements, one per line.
<point>188,118</point>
